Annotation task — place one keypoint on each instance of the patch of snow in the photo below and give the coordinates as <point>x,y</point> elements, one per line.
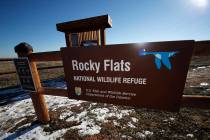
<point>22,109</point>
<point>165,120</point>
<point>190,135</point>
<point>171,118</point>
<point>126,112</point>
<point>144,134</point>
<point>93,104</point>
<point>65,115</point>
<point>56,102</point>
<point>104,113</point>
<point>202,67</point>
<point>204,84</point>
<point>162,131</point>
<point>16,110</point>
<point>126,137</point>
<point>148,133</point>
<point>88,127</point>
<point>134,119</point>
<point>82,114</point>
<point>25,107</point>
<point>36,133</point>
<point>121,113</point>
<point>116,123</point>
<point>77,117</point>
<point>140,135</point>
<point>131,125</point>
<point>101,113</point>
<point>39,134</point>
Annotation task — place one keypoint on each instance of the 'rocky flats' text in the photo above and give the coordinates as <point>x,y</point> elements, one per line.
<point>108,65</point>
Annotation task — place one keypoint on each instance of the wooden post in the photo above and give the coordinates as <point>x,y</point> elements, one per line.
<point>103,37</point>
<point>68,39</point>
<point>23,50</point>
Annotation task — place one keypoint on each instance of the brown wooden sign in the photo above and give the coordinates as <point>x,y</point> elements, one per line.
<point>150,75</point>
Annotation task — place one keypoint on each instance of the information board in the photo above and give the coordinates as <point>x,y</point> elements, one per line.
<point>24,73</point>
<point>150,75</point>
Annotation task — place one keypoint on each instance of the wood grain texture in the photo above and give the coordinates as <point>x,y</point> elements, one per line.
<point>38,99</point>
<point>54,92</point>
<point>196,101</point>
<point>103,37</point>
<point>6,59</point>
<point>68,39</point>
<point>83,25</point>
<point>45,56</point>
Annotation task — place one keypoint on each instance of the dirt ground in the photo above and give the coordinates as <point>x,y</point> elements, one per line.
<point>188,124</point>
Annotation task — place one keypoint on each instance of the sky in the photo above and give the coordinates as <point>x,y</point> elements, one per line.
<point>134,21</point>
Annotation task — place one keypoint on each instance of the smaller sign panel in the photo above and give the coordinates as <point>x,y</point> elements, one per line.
<point>74,39</point>
<point>89,43</point>
<point>24,73</point>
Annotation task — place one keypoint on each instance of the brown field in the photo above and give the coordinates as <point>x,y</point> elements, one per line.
<point>11,79</point>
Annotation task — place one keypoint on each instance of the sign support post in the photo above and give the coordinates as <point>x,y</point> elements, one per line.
<point>23,50</point>
<point>103,37</point>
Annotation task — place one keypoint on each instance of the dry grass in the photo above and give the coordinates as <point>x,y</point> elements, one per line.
<point>11,79</point>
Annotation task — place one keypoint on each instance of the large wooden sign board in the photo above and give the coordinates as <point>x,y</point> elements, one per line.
<point>150,75</point>
<point>24,73</point>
